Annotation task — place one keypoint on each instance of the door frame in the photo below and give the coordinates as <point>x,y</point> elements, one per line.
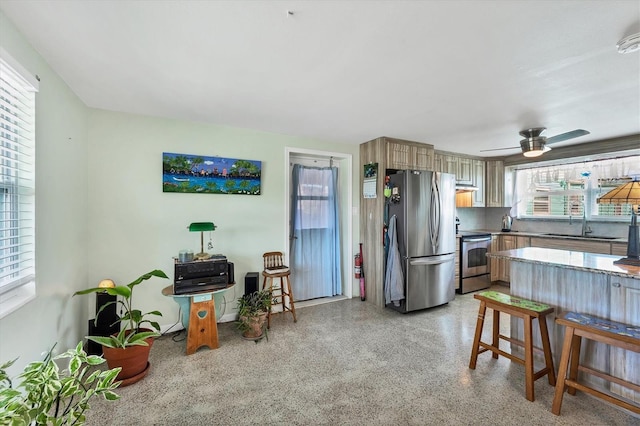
<point>345,181</point>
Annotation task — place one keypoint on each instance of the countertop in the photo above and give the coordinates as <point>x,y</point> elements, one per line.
<point>590,262</point>
<point>548,235</point>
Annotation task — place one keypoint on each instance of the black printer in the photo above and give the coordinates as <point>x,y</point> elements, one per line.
<point>210,274</point>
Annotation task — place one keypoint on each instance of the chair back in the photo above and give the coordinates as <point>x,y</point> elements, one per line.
<point>274,260</point>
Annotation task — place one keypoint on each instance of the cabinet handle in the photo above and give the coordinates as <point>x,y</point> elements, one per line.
<point>616,284</point>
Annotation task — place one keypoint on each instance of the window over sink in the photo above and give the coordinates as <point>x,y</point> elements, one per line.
<point>562,191</point>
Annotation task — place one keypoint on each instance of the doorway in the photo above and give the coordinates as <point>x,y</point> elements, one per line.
<point>321,159</point>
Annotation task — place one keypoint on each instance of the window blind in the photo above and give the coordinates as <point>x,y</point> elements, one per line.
<point>17,176</point>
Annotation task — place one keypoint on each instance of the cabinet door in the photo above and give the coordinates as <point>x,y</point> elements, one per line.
<point>522,242</point>
<point>477,179</point>
<point>464,170</point>
<point>508,242</point>
<point>422,157</point>
<point>398,156</point>
<point>494,266</point>
<point>619,249</point>
<point>495,184</point>
<point>625,308</point>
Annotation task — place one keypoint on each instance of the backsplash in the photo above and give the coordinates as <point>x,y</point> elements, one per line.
<point>490,218</point>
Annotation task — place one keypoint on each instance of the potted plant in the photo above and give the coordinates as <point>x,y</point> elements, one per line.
<point>129,349</point>
<point>45,395</point>
<point>252,313</point>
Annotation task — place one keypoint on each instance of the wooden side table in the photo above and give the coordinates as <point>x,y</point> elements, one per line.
<point>199,316</point>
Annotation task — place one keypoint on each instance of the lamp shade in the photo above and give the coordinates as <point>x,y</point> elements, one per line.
<point>106,283</point>
<point>201,226</point>
<point>628,193</point>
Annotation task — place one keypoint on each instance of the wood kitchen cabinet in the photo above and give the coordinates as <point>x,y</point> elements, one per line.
<point>507,242</point>
<point>464,170</point>
<point>600,247</point>
<point>446,163</point>
<point>625,300</point>
<point>404,155</point>
<point>478,180</point>
<point>619,249</point>
<point>494,265</point>
<point>389,153</point>
<point>494,184</point>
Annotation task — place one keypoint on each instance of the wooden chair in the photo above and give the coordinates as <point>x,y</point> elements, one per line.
<point>612,333</point>
<point>527,310</point>
<point>274,267</point>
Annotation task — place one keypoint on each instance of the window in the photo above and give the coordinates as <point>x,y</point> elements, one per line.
<point>17,185</point>
<point>569,190</point>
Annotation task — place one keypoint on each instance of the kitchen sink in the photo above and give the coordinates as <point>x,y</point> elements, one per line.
<point>600,237</point>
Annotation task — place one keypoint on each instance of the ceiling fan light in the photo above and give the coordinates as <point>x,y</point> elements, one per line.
<point>533,147</point>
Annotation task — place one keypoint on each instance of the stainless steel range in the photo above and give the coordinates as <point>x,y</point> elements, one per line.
<point>474,264</point>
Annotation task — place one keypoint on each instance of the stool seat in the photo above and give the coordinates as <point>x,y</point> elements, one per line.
<point>528,310</point>
<point>275,268</point>
<point>612,333</point>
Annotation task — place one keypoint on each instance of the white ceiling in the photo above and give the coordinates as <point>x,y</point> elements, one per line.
<point>462,75</point>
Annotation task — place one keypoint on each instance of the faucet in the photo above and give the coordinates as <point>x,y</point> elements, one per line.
<point>586,229</point>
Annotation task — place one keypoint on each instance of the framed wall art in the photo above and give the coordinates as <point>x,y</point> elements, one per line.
<point>210,175</point>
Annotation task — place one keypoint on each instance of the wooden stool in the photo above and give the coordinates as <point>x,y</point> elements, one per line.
<point>274,267</point>
<point>203,328</point>
<point>522,308</point>
<point>612,333</point>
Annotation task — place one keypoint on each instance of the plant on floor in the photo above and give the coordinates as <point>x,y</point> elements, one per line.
<point>129,348</point>
<point>131,333</point>
<point>252,313</point>
<point>46,396</point>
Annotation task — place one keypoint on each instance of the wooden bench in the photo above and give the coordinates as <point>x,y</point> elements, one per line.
<point>612,333</point>
<point>527,310</point>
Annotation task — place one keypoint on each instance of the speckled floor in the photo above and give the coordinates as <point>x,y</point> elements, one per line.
<point>349,363</point>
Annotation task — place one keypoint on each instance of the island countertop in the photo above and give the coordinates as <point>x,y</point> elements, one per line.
<point>590,262</point>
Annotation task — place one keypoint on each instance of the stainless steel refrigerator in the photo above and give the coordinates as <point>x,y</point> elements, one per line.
<point>424,204</point>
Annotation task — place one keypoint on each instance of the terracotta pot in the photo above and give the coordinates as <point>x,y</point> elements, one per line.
<point>256,326</point>
<point>134,361</point>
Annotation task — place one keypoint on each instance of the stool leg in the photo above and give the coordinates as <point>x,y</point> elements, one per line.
<point>562,371</point>
<point>575,360</point>
<point>528,357</point>
<point>546,347</point>
<point>478,335</point>
<point>292,306</point>
<point>496,332</point>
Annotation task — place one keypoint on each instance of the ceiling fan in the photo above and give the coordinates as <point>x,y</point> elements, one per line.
<point>534,145</point>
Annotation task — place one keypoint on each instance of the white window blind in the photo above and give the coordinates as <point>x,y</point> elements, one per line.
<point>17,176</point>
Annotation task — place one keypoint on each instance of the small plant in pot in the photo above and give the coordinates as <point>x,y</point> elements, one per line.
<point>129,349</point>
<point>252,314</point>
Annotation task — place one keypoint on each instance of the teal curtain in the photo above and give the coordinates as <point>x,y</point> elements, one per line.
<point>315,233</point>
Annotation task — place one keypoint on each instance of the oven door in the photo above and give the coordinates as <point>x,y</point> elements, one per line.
<point>474,256</point>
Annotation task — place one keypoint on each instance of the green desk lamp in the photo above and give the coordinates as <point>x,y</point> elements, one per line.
<point>201,227</point>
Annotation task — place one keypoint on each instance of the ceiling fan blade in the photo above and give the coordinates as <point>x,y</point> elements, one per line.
<point>500,149</point>
<point>566,136</point>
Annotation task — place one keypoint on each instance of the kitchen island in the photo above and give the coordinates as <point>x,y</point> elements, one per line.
<point>587,283</point>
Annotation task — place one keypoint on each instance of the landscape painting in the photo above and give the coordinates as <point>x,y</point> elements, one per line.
<point>210,175</point>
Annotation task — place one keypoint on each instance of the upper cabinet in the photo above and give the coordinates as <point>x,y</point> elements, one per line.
<point>494,184</point>
<point>478,180</point>
<point>464,171</point>
<point>403,155</point>
<point>446,163</point>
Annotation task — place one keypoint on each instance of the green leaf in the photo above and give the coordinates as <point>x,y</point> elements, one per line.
<point>109,341</point>
<point>111,396</point>
<point>95,360</point>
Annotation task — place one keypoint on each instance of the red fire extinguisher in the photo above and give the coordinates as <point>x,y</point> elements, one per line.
<point>358,265</point>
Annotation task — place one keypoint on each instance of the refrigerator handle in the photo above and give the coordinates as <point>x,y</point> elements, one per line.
<point>436,260</point>
<point>435,211</point>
